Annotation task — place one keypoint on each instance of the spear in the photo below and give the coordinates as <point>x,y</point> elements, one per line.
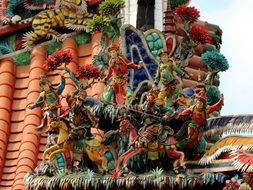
<point>137,111</point>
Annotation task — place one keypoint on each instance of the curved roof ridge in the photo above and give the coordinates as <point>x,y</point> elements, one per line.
<point>7,85</point>
<point>28,152</point>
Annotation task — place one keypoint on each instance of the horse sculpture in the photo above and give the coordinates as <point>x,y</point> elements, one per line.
<point>92,148</point>
<point>143,140</point>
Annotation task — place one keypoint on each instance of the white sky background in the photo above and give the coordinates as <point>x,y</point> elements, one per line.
<point>235,18</point>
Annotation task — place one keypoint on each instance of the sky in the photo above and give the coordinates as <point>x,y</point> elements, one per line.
<point>235,18</point>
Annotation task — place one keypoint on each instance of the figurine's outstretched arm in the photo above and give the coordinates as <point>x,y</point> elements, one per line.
<point>37,103</point>
<point>109,73</point>
<point>216,106</point>
<point>61,86</point>
<point>185,113</point>
<point>158,76</point>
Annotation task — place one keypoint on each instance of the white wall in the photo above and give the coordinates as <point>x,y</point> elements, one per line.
<point>160,7</point>
<point>130,12</point>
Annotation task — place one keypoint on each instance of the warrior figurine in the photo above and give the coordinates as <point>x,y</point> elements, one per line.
<point>80,116</point>
<point>154,128</point>
<point>49,99</point>
<point>81,120</point>
<point>170,86</point>
<point>118,69</point>
<point>198,113</point>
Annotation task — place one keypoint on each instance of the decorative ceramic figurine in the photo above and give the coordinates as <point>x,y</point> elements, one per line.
<point>198,115</point>
<point>117,69</point>
<point>48,99</point>
<point>171,86</point>
<point>81,119</point>
<point>137,117</point>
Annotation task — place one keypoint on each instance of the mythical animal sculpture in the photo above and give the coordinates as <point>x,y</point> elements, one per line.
<point>92,147</point>
<point>235,140</point>
<point>239,147</point>
<point>8,8</point>
<point>155,138</point>
<point>71,14</point>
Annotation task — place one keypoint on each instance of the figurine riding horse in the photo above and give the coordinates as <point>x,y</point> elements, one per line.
<point>92,148</point>
<point>145,140</point>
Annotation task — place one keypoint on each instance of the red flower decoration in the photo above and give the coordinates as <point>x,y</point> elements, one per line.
<point>199,34</point>
<point>57,59</point>
<point>187,14</point>
<point>88,72</point>
<point>231,185</point>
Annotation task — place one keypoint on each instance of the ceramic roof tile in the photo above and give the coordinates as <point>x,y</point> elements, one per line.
<point>84,50</point>
<point>19,104</point>
<point>19,185</point>
<point>18,94</point>
<point>21,71</point>
<point>189,83</point>
<point>85,60</point>
<point>2,144</point>
<point>11,155</point>
<point>7,78</point>
<point>8,177</point>
<point>21,83</point>
<point>5,89</point>
<point>6,183</point>
<point>43,141</point>
<point>17,127</point>
<point>40,155</point>
<point>42,145</point>
<point>5,101</point>
<point>24,168</point>
<point>195,72</point>
<point>15,138</point>
<point>9,169</point>
<point>10,163</point>
<point>3,134</point>
<point>27,156</point>
<point>18,116</point>
<point>11,148</point>
<point>93,2</point>
<point>196,62</point>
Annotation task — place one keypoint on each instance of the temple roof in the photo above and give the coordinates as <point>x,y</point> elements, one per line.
<point>21,146</point>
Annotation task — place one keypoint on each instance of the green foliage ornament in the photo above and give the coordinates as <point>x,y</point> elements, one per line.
<point>215,61</point>
<point>98,23</point>
<point>213,95</point>
<point>111,7</point>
